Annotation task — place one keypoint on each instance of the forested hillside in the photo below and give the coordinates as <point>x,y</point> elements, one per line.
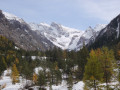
<point>97,68</point>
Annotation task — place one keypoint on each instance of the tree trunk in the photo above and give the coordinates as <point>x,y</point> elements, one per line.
<point>106,83</point>
<point>94,85</point>
<point>52,78</point>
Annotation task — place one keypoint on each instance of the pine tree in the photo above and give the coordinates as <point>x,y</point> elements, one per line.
<point>27,70</point>
<point>58,74</point>
<point>82,60</point>
<point>70,81</point>
<point>41,79</point>
<point>4,62</point>
<point>93,70</point>
<point>15,74</point>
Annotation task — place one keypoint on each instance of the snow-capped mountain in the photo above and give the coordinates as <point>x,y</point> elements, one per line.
<point>65,37</point>
<point>17,30</point>
<point>12,17</point>
<point>59,35</point>
<point>44,36</point>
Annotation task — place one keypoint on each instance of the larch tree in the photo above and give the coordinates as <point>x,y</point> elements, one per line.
<point>35,78</point>
<point>107,62</point>
<point>117,56</point>
<point>93,71</point>
<point>15,74</point>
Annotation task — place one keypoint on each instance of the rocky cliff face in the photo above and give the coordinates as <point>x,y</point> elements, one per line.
<point>109,35</point>
<point>20,33</point>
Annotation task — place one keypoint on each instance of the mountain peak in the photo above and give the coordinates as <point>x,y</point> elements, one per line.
<point>55,24</point>
<point>45,24</point>
<point>89,29</point>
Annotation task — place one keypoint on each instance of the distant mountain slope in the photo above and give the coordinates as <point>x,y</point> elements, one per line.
<point>31,36</point>
<point>59,35</point>
<point>65,37</point>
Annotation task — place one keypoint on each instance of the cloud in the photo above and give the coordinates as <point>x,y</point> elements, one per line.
<point>101,9</point>
<point>73,13</point>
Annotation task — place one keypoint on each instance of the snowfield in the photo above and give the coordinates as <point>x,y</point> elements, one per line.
<point>7,82</point>
<point>65,37</point>
<point>63,86</point>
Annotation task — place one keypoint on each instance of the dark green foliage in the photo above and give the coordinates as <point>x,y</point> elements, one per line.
<point>41,79</point>
<point>70,81</point>
<point>82,60</point>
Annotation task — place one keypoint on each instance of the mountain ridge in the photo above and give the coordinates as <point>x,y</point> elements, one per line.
<point>59,31</point>
<point>47,36</point>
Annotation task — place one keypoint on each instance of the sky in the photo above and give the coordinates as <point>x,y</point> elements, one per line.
<point>79,14</point>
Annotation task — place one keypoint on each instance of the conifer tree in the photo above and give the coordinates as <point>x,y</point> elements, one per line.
<point>82,60</point>
<point>64,54</point>
<point>58,74</point>
<point>93,70</point>
<point>107,62</point>
<point>41,79</point>
<point>70,81</point>
<point>117,56</point>
<point>15,74</point>
<point>4,62</point>
<point>35,78</point>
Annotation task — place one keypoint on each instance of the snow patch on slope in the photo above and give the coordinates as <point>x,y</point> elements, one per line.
<point>118,30</point>
<point>61,36</point>
<point>65,37</point>
<point>12,17</point>
<point>58,34</point>
<point>99,27</point>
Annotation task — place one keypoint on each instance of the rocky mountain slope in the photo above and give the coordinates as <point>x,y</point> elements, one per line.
<point>65,37</point>
<point>110,35</point>
<point>31,36</point>
<point>18,31</point>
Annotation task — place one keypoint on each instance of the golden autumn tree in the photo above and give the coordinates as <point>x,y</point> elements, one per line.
<point>93,70</point>
<point>64,54</point>
<point>16,60</point>
<point>35,77</point>
<point>107,62</point>
<point>15,74</point>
